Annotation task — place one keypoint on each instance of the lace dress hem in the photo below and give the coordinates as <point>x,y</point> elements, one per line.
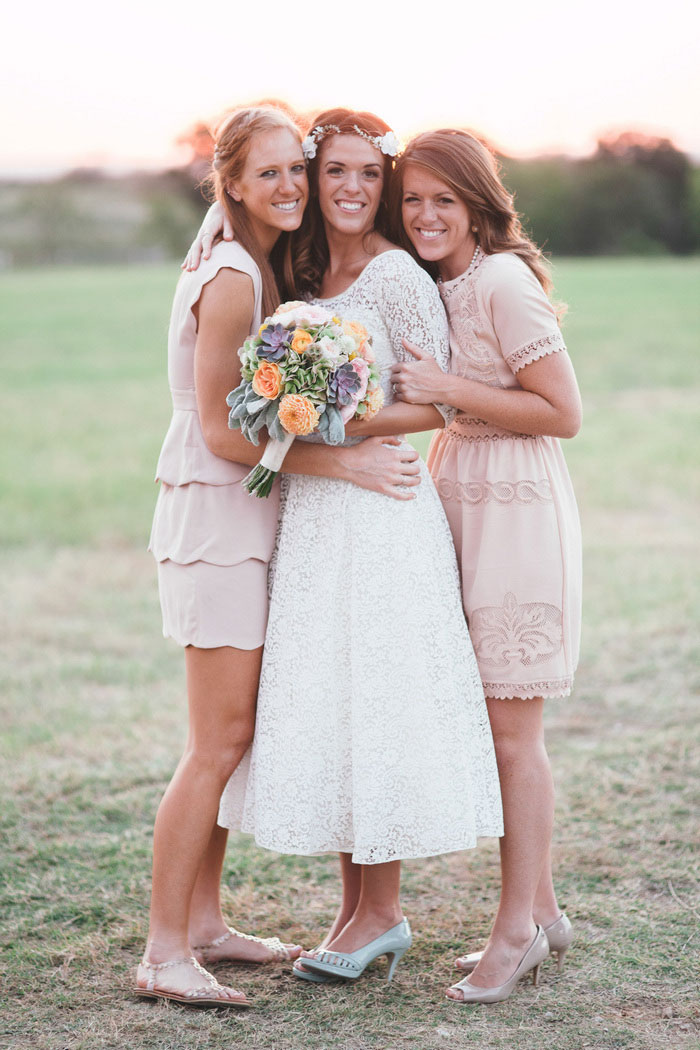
<point>533,351</point>
<point>553,689</point>
<point>377,854</point>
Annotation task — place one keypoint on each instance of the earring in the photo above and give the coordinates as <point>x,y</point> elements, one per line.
<point>475,229</point>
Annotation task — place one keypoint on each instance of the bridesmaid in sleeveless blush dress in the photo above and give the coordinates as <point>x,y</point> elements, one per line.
<point>501,474</point>
<point>213,542</point>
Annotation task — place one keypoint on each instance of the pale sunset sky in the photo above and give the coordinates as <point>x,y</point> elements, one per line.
<point>113,85</point>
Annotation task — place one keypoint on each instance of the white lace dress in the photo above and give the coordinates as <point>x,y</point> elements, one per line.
<point>372,735</point>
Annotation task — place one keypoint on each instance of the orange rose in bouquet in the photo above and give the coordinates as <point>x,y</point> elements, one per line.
<point>267,380</point>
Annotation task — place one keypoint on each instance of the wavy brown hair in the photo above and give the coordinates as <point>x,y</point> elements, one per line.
<point>470,169</point>
<point>309,251</point>
<point>232,144</point>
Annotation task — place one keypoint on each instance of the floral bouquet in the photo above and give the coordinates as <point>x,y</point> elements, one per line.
<point>306,370</point>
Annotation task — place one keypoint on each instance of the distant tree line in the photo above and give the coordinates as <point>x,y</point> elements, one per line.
<point>636,194</point>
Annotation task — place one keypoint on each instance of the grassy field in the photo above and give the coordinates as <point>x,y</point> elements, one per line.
<point>92,704</point>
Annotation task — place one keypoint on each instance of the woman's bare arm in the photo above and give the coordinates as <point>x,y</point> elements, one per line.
<point>214,222</point>
<point>399,418</point>
<point>548,403</point>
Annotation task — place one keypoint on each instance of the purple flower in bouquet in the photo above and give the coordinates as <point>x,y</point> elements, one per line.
<point>343,385</point>
<point>274,343</point>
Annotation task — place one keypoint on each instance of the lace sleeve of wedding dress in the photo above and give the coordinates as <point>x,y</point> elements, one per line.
<point>413,310</point>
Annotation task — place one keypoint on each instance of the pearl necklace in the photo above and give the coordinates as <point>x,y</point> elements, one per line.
<point>476,257</point>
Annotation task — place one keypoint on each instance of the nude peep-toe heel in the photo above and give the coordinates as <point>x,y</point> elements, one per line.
<point>559,935</point>
<point>531,960</point>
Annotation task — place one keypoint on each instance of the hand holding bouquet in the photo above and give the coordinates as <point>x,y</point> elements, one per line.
<point>305,370</point>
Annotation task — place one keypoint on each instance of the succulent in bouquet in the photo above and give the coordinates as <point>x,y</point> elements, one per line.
<point>305,371</point>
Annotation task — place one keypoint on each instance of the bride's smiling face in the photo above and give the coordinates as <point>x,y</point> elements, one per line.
<point>350,182</point>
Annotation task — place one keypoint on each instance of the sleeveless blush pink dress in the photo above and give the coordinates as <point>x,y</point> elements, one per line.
<point>508,496</point>
<point>211,539</point>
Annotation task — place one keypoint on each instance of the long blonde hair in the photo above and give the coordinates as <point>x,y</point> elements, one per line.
<point>232,144</point>
<point>471,171</point>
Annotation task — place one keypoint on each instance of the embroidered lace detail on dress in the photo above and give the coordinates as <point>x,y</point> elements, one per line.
<point>473,492</point>
<point>448,289</point>
<point>454,435</point>
<point>525,355</point>
<point>511,633</point>
<point>550,688</point>
<point>474,361</point>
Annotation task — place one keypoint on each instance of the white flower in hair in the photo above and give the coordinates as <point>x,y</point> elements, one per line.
<point>389,144</point>
<point>309,147</point>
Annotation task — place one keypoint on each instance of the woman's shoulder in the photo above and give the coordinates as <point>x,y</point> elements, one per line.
<point>232,255</point>
<point>224,255</point>
<point>504,279</point>
<point>502,265</point>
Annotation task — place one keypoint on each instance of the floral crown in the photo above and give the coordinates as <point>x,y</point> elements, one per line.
<point>387,144</point>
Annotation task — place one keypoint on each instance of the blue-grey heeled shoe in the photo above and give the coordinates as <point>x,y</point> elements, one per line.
<point>350,965</point>
<point>307,975</point>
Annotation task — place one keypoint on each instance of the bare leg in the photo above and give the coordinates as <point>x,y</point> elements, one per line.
<point>351,876</point>
<point>222,690</point>
<point>378,907</point>
<point>207,922</point>
<point>546,908</point>
<point>206,918</point>
<point>528,810</point>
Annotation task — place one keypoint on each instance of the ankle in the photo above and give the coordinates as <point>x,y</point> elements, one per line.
<point>545,917</point>
<point>204,930</point>
<point>165,950</point>
<point>383,917</point>
<point>513,934</point>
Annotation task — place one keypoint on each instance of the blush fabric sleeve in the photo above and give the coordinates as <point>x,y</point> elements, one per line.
<point>523,318</point>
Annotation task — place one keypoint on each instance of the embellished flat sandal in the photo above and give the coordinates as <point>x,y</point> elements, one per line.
<point>280,952</point>
<point>208,994</point>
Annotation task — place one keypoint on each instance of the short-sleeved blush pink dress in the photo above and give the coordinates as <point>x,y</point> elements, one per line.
<point>212,541</point>
<point>507,496</point>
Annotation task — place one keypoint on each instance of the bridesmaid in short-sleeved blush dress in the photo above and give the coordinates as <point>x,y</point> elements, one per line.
<point>503,481</point>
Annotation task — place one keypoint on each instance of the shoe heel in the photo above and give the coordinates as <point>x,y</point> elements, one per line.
<point>395,958</point>
<point>536,975</point>
<point>560,958</point>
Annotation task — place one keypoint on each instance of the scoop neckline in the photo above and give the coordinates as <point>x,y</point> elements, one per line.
<point>360,275</point>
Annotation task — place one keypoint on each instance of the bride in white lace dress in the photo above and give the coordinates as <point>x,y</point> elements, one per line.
<point>372,736</point>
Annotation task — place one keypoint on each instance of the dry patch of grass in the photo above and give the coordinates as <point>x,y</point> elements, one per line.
<point>94,705</point>
<point>92,708</point>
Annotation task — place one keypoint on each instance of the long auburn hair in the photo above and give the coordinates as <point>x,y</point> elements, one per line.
<point>309,247</point>
<point>470,169</point>
<point>232,144</point>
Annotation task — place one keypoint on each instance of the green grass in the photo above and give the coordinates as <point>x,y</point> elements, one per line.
<point>92,704</point>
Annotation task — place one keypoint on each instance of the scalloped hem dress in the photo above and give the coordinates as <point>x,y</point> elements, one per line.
<point>508,497</point>
<point>211,540</point>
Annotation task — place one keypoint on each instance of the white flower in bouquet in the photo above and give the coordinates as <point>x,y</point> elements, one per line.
<point>301,315</point>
